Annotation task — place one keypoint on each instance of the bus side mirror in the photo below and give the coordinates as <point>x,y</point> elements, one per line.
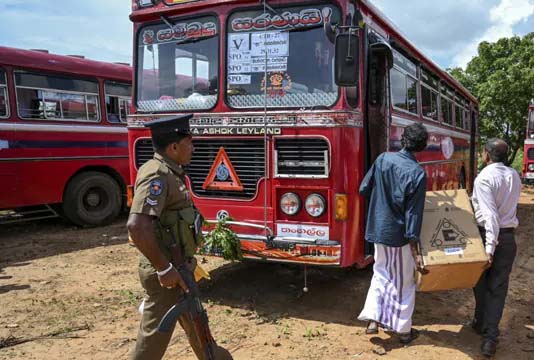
<point>347,61</point>
<point>380,46</point>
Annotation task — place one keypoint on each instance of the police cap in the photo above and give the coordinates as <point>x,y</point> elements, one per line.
<point>168,125</point>
<point>168,130</point>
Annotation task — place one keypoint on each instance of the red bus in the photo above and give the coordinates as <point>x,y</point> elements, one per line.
<point>63,141</point>
<point>528,153</point>
<point>280,146</point>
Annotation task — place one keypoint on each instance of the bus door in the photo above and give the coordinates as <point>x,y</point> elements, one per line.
<point>377,108</point>
<point>378,115</point>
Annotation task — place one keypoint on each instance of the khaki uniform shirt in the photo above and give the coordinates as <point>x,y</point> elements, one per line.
<point>160,186</point>
<point>159,192</point>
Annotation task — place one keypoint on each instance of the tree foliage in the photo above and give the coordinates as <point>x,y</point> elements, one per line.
<point>501,76</point>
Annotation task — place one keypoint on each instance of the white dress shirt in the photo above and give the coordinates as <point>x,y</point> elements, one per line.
<point>495,197</point>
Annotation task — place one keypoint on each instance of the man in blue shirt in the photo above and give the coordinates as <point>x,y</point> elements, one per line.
<point>396,187</point>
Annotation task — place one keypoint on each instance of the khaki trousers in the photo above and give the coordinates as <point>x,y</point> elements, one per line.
<point>152,344</point>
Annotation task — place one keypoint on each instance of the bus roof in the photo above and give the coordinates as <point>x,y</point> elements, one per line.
<point>392,29</point>
<point>69,64</point>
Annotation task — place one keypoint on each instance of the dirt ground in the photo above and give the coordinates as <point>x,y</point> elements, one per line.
<point>73,293</point>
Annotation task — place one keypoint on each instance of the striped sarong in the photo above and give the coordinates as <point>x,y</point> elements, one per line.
<point>391,297</point>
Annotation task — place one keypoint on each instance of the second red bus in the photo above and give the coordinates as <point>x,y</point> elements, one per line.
<point>63,142</point>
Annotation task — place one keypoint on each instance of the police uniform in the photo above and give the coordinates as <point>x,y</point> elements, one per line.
<point>160,192</point>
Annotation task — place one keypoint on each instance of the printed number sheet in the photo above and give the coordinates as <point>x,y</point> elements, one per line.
<point>249,53</point>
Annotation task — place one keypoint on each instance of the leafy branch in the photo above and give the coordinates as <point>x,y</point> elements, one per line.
<point>223,240</point>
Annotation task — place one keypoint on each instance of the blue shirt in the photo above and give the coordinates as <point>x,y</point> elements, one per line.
<point>396,186</point>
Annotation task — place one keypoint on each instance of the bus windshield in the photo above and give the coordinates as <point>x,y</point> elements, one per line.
<point>531,120</point>
<point>291,43</point>
<point>177,67</point>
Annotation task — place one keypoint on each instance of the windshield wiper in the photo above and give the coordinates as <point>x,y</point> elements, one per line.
<point>269,7</point>
<point>167,21</point>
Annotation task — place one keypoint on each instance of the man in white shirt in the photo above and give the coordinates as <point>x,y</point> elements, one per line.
<point>495,197</point>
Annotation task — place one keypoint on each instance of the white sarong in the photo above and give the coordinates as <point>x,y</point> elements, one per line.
<point>391,297</point>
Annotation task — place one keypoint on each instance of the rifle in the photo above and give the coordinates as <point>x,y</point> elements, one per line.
<point>190,307</point>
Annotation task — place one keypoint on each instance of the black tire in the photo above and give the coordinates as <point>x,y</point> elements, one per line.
<point>92,198</point>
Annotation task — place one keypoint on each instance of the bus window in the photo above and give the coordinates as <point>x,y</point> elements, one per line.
<point>447,105</point>
<point>458,116</point>
<point>446,111</point>
<point>41,96</point>
<point>178,70</point>
<point>429,95</point>
<point>467,120</point>
<point>289,53</point>
<point>118,101</point>
<point>3,94</point>
<point>404,83</point>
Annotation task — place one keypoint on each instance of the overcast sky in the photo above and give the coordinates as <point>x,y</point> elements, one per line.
<point>448,31</point>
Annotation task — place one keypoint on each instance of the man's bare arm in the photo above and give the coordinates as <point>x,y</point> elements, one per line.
<point>142,234</point>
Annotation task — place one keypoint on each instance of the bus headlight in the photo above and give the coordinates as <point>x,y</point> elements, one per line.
<point>290,203</point>
<point>315,205</point>
<point>530,167</point>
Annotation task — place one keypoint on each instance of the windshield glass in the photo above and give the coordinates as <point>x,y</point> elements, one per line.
<point>531,120</point>
<point>299,58</point>
<point>177,67</point>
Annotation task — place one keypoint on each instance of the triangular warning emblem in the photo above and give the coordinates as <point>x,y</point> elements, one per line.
<point>448,234</point>
<point>222,175</point>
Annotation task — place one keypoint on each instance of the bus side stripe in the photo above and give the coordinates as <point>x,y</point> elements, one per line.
<point>63,158</point>
<point>8,126</point>
<point>32,144</point>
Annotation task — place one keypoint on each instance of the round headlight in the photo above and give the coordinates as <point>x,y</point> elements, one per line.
<point>290,203</point>
<point>315,205</point>
<point>530,167</point>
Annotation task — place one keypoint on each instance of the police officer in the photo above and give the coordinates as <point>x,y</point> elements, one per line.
<point>154,224</point>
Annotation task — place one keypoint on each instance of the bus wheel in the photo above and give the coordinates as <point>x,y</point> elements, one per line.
<point>92,198</point>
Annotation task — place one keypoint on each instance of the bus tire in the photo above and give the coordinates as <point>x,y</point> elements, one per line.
<point>92,198</point>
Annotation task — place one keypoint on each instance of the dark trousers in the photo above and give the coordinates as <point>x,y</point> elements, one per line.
<point>491,289</point>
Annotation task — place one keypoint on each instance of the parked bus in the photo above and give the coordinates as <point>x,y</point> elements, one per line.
<point>63,136</point>
<point>292,102</point>
<point>528,151</point>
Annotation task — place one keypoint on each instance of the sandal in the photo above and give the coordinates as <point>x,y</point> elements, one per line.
<point>372,328</point>
<point>405,339</point>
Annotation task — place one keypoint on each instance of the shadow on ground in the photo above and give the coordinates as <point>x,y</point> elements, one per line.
<point>23,242</point>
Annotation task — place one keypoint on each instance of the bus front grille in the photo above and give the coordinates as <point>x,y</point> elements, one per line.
<point>302,157</point>
<point>247,157</point>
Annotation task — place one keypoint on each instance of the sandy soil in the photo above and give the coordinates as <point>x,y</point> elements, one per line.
<point>82,286</point>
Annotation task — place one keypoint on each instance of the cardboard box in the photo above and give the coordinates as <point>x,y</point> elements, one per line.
<point>451,245</point>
